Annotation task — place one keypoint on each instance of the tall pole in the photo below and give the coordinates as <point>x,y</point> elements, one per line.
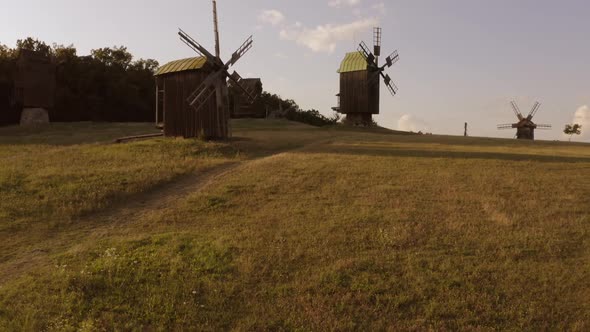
<point>221,90</point>
<point>216,29</point>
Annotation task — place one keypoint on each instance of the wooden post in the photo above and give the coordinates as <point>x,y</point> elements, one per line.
<point>227,117</point>
<point>216,30</point>
<point>157,101</point>
<point>222,100</point>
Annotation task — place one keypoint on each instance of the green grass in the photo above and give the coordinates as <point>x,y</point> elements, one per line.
<point>314,229</point>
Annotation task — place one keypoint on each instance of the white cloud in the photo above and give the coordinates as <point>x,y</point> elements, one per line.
<point>324,38</point>
<point>340,3</point>
<point>380,7</point>
<point>582,117</point>
<point>281,55</point>
<point>410,122</point>
<point>271,16</point>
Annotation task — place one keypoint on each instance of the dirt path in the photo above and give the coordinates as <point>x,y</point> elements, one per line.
<point>111,220</point>
<point>161,197</point>
<point>121,218</point>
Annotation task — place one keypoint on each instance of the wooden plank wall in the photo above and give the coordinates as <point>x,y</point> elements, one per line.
<point>35,80</point>
<point>243,109</point>
<point>354,94</point>
<point>8,114</point>
<point>180,119</point>
<point>374,89</point>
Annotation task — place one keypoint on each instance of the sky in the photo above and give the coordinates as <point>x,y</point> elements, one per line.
<point>460,60</point>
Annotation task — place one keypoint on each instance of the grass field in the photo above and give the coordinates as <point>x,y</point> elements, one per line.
<point>290,227</point>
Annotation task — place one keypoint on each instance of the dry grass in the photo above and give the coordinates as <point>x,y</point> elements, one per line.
<point>327,230</point>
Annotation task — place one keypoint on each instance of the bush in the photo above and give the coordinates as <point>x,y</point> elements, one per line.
<point>311,117</point>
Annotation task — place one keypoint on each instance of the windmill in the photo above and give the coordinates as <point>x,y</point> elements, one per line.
<point>525,127</point>
<point>216,82</point>
<point>360,75</point>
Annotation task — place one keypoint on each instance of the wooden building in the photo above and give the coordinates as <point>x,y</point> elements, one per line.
<point>34,81</point>
<point>525,127</point>
<point>6,116</point>
<point>241,107</point>
<point>359,96</point>
<point>175,82</point>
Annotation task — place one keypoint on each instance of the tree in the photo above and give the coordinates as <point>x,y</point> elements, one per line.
<point>33,45</point>
<point>572,129</point>
<point>115,56</point>
<point>64,53</point>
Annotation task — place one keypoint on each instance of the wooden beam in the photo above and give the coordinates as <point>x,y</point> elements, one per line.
<point>131,138</point>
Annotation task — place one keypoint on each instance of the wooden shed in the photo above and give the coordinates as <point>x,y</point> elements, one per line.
<point>34,80</point>
<point>241,107</point>
<point>175,82</point>
<point>359,96</point>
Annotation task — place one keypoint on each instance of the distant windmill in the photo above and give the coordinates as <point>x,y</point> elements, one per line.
<point>525,127</point>
<point>360,74</point>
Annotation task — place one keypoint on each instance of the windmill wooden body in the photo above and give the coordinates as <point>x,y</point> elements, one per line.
<point>360,75</point>
<point>192,94</point>
<point>525,127</point>
<point>241,105</point>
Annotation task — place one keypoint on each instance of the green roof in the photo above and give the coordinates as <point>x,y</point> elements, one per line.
<point>182,65</point>
<point>354,61</point>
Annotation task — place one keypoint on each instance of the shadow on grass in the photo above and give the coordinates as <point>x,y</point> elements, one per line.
<point>66,134</point>
<point>416,153</point>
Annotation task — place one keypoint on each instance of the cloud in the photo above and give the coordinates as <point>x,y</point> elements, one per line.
<point>324,38</point>
<point>380,7</point>
<point>340,3</point>
<point>410,122</point>
<point>582,117</point>
<point>271,16</point>
<point>281,55</point>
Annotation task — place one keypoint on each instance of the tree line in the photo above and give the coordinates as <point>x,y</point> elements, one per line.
<point>108,85</point>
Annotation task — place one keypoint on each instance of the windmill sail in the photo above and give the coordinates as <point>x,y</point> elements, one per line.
<point>534,111</point>
<point>369,57</point>
<point>392,59</point>
<point>390,86</point>
<point>516,110</point>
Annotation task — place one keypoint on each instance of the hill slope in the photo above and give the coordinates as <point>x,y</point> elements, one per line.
<point>292,227</point>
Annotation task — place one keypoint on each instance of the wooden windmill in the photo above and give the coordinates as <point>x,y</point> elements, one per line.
<point>525,127</point>
<point>360,75</point>
<point>185,89</point>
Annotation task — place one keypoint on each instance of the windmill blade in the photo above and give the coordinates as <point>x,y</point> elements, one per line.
<point>390,86</point>
<point>534,110</point>
<point>544,126</point>
<point>191,47</point>
<point>236,81</point>
<point>392,59</point>
<point>516,110</point>
<point>195,45</point>
<point>505,126</point>
<point>202,98</point>
<point>373,77</point>
<point>364,50</point>
<point>246,46</point>
<point>377,41</point>
<point>202,93</point>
